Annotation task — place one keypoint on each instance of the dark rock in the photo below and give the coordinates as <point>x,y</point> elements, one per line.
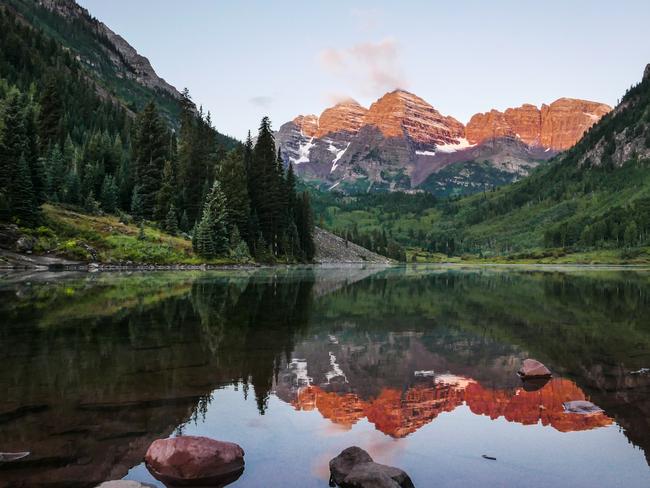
<point>375,475</point>
<point>367,475</point>
<point>532,368</point>
<point>9,235</point>
<point>646,72</point>
<point>25,244</point>
<point>195,461</point>
<point>342,464</point>
<point>354,468</point>
<point>582,407</point>
<point>90,250</point>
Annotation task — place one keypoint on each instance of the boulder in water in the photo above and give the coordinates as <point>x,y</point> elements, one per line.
<point>582,407</point>
<point>532,368</point>
<point>195,461</point>
<point>354,468</point>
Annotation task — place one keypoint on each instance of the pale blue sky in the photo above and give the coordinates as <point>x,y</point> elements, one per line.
<point>245,59</point>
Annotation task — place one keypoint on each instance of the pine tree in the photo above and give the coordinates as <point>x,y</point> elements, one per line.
<point>202,238</point>
<point>52,111</point>
<point>165,196</point>
<point>150,151</point>
<point>263,172</point>
<point>71,188</point>
<point>55,173</point>
<point>232,176</point>
<point>305,224</point>
<point>13,143</point>
<point>136,204</point>
<point>23,200</point>
<point>35,163</point>
<point>185,222</point>
<point>91,205</point>
<point>171,221</point>
<point>109,194</point>
<point>238,248</point>
<point>214,218</point>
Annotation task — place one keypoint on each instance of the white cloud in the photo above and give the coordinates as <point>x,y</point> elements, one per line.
<point>371,67</point>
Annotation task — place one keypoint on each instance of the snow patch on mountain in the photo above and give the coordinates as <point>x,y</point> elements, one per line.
<point>450,148</point>
<point>338,157</point>
<point>303,152</point>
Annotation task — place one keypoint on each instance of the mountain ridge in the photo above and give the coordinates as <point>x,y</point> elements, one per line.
<point>401,141</point>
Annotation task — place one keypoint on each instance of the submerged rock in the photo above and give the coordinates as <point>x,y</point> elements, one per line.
<point>195,461</point>
<point>354,468</point>
<point>123,484</point>
<point>532,368</point>
<point>582,407</point>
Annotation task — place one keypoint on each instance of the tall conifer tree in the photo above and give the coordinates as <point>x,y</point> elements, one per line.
<point>150,151</point>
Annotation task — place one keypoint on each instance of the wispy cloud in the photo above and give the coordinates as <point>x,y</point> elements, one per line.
<point>261,101</point>
<point>373,68</point>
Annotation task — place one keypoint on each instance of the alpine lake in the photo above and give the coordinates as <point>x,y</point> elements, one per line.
<point>415,364</point>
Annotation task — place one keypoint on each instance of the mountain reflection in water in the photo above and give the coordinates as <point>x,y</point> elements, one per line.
<point>96,367</point>
<point>399,413</point>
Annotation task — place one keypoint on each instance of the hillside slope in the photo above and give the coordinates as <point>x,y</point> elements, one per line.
<point>119,73</point>
<point>333,249</point>
<point>594,196</point>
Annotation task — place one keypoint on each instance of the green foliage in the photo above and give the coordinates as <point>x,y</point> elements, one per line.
<point>23,200</point>
<point>109,195</point>
<point>171,221</point>
<point>210,238</point>
<point>232,175</point>
<point>150,151</point>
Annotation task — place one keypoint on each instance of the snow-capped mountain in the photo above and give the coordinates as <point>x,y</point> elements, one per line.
<point>401,142</point>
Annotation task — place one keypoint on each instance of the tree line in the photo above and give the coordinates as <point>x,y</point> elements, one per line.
<point>61,142</point>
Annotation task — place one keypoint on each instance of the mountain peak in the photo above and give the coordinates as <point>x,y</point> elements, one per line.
<point>400,113</point>
<point>345,116</point>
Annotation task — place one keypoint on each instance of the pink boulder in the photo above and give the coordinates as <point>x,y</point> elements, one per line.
<point>533,369</point>
<point>194,461</point>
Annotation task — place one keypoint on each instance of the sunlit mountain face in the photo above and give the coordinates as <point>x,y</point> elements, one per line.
<point>295,364</point>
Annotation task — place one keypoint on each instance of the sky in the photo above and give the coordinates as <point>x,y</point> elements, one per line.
<point>244,59</point>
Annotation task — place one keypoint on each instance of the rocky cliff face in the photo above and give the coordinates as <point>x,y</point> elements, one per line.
<point>127,61</point>
<point>345,117</point>
<point>401,143</point>
<point>401,114</point>
<point>554,127</point>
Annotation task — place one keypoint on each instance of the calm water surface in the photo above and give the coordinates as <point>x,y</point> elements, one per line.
<point>415,364</point>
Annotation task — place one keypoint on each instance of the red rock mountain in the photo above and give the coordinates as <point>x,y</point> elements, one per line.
<point>401,141</point>
<point>345,116</point>
<point>557,126</point>
<point>400,113</point>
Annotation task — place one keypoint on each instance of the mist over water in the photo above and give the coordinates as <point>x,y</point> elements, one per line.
<point>417,365</point>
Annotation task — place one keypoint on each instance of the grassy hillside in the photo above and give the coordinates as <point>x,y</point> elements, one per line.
<point>73,235</point>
